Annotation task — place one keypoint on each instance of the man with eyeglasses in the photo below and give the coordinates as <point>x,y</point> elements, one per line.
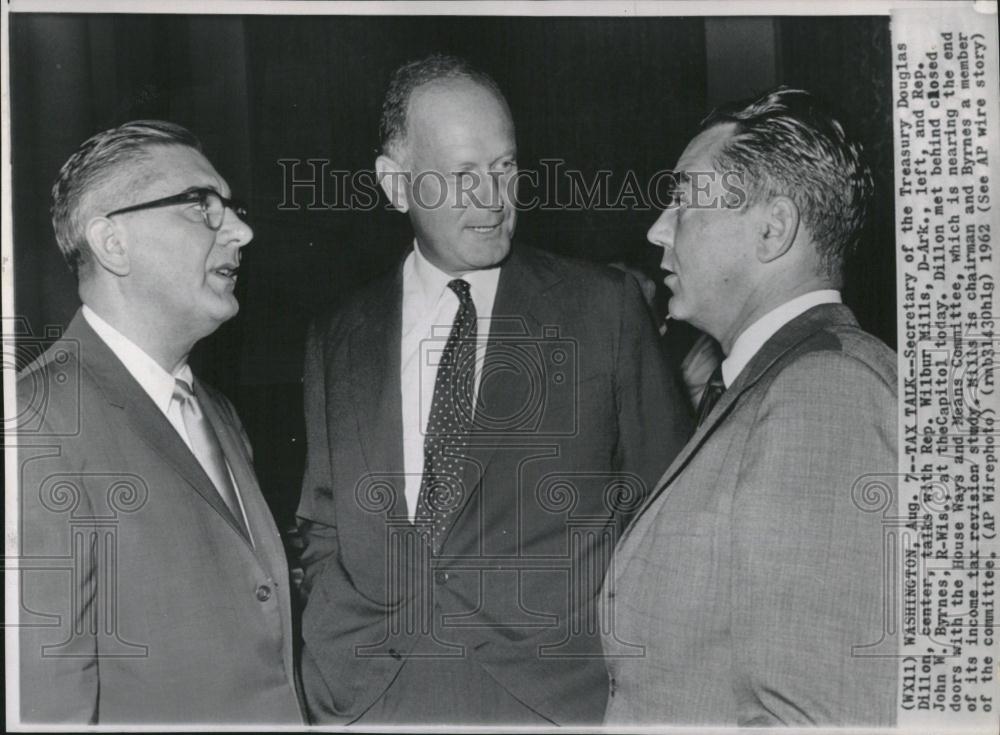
<point>155,586</point>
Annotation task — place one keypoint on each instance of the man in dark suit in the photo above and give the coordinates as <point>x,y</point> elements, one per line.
<point>481,422</point>
<point>752,577</point>
<point>154,586</point>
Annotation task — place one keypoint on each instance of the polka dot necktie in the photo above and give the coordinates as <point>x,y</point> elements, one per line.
<point>713,391</point>
<point>449,421</point>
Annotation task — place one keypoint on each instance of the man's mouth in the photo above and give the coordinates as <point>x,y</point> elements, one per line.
<point>485,229</point>
<point>228,272</point>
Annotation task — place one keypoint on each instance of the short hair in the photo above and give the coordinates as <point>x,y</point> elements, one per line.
<point>411,76</point>
<point>787,143</point>
<point>91,169</point>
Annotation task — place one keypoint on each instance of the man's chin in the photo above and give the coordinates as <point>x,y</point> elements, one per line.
<point>676,310</point>
<point>492,254</point>
<point>225,308</point>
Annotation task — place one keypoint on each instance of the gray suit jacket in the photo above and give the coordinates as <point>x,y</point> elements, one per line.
<point>736,595</point>
<point>141,599</point>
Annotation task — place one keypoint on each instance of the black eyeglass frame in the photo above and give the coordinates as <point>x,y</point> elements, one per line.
<point>197,195</point>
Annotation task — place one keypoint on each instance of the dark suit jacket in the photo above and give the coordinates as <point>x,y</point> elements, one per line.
<point>747,589</point>
<point>576,418</point>
<point>141,600</point>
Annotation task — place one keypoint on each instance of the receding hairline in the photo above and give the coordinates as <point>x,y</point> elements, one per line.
<point>456,82</point>
<point>126,179</point>
<point>718,147</point>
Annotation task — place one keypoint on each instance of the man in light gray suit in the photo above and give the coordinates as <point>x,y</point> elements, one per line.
<point>153,582</point>
<point>749,575</point>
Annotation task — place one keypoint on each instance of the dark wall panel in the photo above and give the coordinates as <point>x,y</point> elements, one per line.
<point>847,62</point>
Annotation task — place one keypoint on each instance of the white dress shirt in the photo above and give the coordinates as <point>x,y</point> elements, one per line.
<point>429,309</point>
<point>157,382</point>
<point>753,337</point>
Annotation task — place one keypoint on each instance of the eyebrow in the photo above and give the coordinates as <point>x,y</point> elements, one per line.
<point>467,164</point>
<point>192,189</point>
<point>509,153</point>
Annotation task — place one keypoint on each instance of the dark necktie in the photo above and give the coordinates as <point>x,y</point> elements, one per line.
<point>207,450</point>
<point>449,421</point>
<point>714,389</point>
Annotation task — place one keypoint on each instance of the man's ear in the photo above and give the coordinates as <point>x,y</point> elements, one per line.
<point>392,179</point>
<point>108,246</point>
<point>779,228</point>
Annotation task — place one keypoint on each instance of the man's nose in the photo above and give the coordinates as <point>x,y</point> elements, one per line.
<point>486,190</point>
<point>662,231</point>
<point>497,189</point>
<point>234,230</point>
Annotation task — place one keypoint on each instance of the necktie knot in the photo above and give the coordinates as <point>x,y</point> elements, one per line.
<point>461,289</point>
<point>465,319</point>
<point>714,389</point>
<point>715,379</point>
<point>182,391</point>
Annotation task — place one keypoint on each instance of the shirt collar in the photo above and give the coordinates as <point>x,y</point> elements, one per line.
<point>432,282</point>
<point>751,339</point>
<point>157,382</point>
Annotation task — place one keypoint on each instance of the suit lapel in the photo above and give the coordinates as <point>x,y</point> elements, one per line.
<point>240,463</point>
<point>121,390</point>
<point>374,346</point>
<point>784,340</point>
<point>266,542</point>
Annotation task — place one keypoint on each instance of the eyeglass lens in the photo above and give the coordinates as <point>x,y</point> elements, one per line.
<point>215,209</point>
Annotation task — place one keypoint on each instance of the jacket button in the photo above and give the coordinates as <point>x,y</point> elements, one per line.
<point>263,593</point>
<point>612,686</point>
<point>441,577</point>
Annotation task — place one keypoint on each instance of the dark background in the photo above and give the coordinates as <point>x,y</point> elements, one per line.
<point>599,93</point>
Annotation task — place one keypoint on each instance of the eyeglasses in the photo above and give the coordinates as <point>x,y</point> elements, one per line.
<point>211,205</point>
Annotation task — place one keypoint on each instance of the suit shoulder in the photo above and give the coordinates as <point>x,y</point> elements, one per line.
<point>355,305</point>
<point>583,287</point>
<point>574,269</point>
<point>836,348</point>
<point>49,388</point>
<point>868,349</point>
<point>59,353</point>
<point>839,357</point>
